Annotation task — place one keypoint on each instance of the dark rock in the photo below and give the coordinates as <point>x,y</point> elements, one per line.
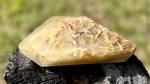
<point>21,70</point>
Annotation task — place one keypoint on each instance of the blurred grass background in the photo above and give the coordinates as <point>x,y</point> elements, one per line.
<point>18,18</point>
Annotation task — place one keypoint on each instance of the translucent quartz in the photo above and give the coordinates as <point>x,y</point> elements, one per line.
<point>75,40</point>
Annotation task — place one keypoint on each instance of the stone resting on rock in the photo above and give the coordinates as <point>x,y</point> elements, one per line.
<point>75,50</point>
<point>22,70</point>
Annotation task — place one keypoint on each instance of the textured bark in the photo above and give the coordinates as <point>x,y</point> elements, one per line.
<point>21,70</point>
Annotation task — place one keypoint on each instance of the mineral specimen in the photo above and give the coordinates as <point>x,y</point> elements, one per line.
<point>75,40</point>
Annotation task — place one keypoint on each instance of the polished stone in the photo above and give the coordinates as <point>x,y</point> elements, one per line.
<point>73,41</point>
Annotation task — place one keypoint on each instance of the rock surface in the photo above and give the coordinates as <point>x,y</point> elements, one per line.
<point>21,70</point>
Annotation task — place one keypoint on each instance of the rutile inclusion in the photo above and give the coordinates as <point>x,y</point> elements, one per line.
<point>73,41</point>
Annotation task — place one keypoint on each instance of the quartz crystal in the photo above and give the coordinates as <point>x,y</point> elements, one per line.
<point>73,41</point>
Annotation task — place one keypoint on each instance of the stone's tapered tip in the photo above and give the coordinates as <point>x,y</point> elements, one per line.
<point>75,40</point>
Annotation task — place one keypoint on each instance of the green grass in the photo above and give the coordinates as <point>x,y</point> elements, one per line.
<point>18,18</point>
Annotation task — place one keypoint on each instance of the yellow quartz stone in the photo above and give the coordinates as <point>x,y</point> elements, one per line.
<point>75,40</point>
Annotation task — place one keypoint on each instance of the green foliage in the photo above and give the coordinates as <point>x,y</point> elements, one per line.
<point>18,18</point>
